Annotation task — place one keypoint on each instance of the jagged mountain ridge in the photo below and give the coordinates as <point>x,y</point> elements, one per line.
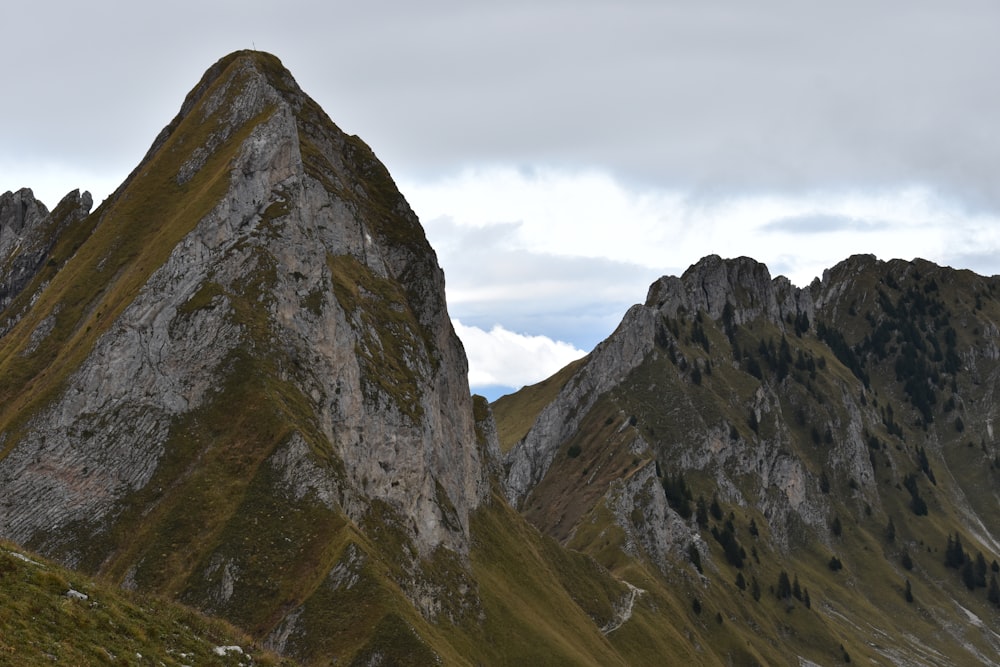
<point>28,232</point>
<point>815,419</point>
<point>235,384</point>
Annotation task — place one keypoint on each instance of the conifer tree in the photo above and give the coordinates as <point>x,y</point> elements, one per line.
<point>784,586</point>
<point>954,553</point>
<point>980,570</point>
<point>969,575</point>
<point>701,512</point>
<point>715,509</point>
<point>694,556</point>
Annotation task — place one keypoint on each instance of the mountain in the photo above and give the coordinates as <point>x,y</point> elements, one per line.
<point>816,467</point>
<point>219,289</point>
<point>234,387</point>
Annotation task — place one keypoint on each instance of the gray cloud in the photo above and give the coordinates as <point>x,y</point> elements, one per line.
<point>575,299</point>
<point>983,263</point>
<point>716,101</point>
<point>823,224</point>
<point>712,97</point>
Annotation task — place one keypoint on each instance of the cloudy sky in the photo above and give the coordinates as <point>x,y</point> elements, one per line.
<point>563,155</point>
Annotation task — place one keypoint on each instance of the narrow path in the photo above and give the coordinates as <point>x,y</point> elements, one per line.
<point>623,614</point>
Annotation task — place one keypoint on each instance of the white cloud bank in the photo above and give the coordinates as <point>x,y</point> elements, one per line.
<point>590,214</point>
<point>502,358</point>
<point>560,255</point>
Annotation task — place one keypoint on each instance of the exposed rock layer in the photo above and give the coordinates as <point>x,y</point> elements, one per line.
<point>28,232</point>
<point>257,250</point>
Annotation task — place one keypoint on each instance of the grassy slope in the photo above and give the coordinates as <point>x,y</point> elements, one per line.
<point>40,624</point>
<point>528,588</point>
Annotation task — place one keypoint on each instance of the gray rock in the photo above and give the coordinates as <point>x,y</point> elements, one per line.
<point>103,435</point>
<point>28,232</point>
<point>610,362</point>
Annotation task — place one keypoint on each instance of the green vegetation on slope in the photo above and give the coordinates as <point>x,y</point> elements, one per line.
<point>528,589</point>
<point>52,615</point>
<point>898,370</point>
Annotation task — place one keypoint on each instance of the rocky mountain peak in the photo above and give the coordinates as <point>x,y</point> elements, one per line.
<point>252,328</point>
<point>18,210</point>
<point>861,400</point>
<point>231,92</point>
<point>739,289</point>
<point>28,233</point>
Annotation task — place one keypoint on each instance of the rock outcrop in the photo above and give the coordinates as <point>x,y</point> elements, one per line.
<point>743,283</point>
<point>28,232</point>
<point>733,292</point>
<point>605,367</point>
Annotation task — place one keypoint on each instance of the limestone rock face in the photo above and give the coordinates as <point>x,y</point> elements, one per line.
<point>19,213</point>
<point>272,251</point>
<point>652,529</point>
<point>605,368</point>
<point>28,232</point>
<point>743,283</point>
<point>740,290</point>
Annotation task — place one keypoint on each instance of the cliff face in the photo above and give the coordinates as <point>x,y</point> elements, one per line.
<point>28,232</point>
<point>20,213</point>
<point>252,327</point>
